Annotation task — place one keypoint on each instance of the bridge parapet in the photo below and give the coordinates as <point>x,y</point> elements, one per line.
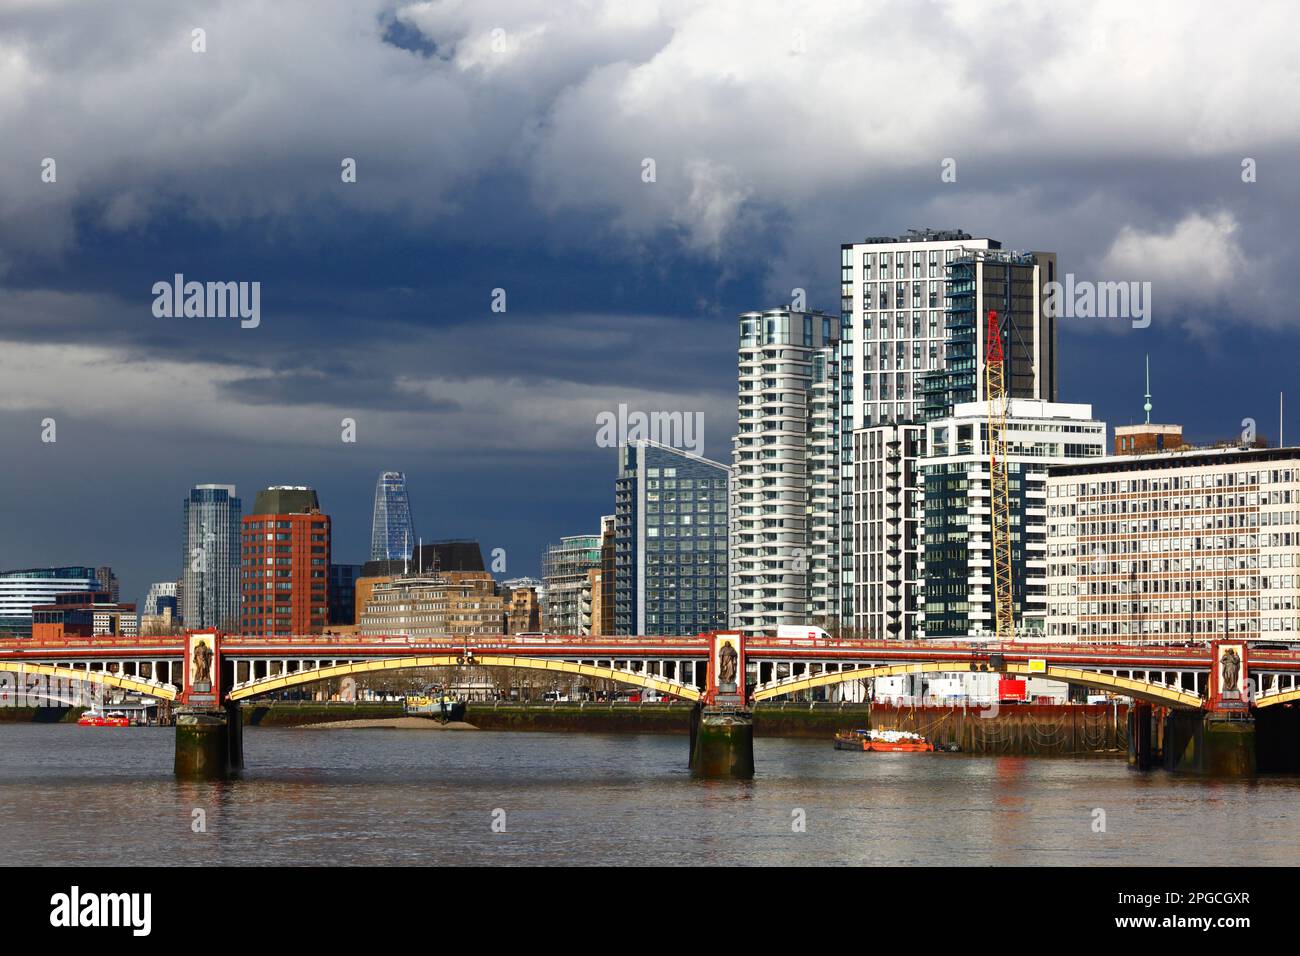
<point>263,685</point>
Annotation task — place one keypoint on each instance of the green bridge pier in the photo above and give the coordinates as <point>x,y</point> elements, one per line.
<point>1265,740</point>
<point>722,742</point>
<point>209,743</point>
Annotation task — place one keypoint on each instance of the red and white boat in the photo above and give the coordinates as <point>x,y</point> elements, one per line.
<point>93,718</point>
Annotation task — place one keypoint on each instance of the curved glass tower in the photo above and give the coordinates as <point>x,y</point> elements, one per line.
<point>391,534</point>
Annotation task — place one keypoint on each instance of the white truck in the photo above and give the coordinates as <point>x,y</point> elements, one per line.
<point>800,632</point>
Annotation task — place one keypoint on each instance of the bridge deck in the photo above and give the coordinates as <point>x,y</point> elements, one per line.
<point>1162,673</point>
<point>1142,656</point>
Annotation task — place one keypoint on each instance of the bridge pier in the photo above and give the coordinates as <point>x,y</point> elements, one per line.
<point>1277,739</point>
<point>1191,741</point>
<point>1143,735</point>
<point>235,735</point>
<point>722,743</point>
<point>1203,743</point>
<point>209,743</point>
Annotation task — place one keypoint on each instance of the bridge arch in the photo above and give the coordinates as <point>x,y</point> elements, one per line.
<point>1269,698</point>
<point>138,685</point>
<point>266,685</point>
<point>1139,689</point>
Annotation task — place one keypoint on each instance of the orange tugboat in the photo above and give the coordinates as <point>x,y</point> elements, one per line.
<point>883,741</point>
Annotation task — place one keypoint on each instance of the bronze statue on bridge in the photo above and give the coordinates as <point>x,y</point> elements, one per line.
<point>727,664</point>
<point>201,663</point>
<point>1230,669</point>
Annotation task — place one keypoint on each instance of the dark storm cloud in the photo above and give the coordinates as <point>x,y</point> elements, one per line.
<point>503,145</point>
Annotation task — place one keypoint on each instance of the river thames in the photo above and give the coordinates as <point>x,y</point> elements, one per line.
<point>80,796</point>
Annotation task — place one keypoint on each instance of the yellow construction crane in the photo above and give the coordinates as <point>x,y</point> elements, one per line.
<point>995,391</point>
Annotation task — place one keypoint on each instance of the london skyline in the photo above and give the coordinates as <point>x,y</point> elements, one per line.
<point>376,296</point>
<point>451,434</point>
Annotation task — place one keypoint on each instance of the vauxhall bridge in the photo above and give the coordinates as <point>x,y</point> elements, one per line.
<point>207,674</point>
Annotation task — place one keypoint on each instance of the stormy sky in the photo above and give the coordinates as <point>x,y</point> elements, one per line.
<point>502,145</point>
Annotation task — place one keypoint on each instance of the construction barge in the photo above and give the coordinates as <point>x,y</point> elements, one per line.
<point>883,741</point>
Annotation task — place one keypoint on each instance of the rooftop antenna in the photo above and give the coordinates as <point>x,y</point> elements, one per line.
<point>1147,407</point>
<point>1280,442</point>
<point>406,553</point>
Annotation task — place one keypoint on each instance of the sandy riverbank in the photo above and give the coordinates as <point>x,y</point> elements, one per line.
<point>390,723</point>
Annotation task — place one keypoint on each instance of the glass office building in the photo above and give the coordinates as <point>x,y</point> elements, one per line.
<point>391,533</point>
<point>21,590</point>
<point>670,542</point>
<point>210,543</point>
<point>343,593</point>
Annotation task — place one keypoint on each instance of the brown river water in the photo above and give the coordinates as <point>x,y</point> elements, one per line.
<point>90,796</point>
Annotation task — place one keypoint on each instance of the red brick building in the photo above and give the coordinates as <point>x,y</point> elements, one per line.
<point>83,614</point>
<point>1147,439</point>
<point>285,561</point>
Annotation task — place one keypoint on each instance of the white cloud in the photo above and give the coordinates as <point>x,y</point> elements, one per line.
<point>1199,257</point>
<point>578,94</point>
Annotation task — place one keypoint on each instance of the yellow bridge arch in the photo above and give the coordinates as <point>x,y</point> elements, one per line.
<point>1142,690</point>
<point>1268,699</point>
<point>281,681</point>
<point>139,685</point>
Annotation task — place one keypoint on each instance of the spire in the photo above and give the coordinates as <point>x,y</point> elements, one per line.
<point>1147,407</point>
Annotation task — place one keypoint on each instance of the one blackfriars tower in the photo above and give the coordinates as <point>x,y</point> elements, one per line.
<point>391,534</point>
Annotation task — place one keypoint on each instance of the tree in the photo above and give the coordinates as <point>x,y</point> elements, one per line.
<point>841,631</point>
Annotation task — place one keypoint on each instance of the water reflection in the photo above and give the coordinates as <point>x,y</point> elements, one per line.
<point>69,795</point>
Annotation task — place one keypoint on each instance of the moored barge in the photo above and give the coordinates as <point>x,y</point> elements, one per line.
<point>883,741</point>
